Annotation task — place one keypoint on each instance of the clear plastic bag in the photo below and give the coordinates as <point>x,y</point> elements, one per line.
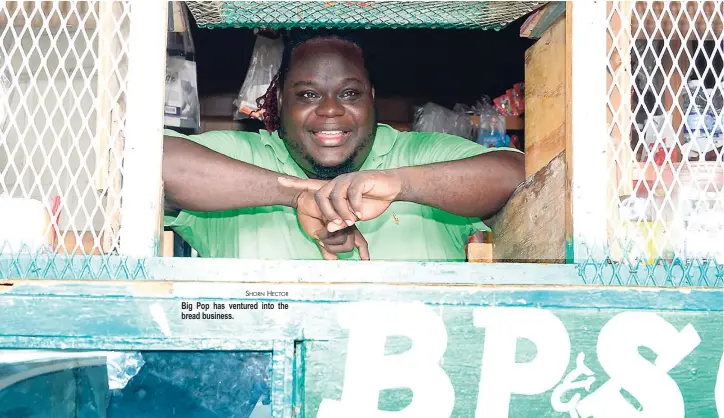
<point>434,118</point>
<point>182,108</point>
<point>491,130</point>
<point>265,62</point>
<point>122,367</point>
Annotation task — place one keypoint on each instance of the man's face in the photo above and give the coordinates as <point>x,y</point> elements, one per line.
<point>327,108</point>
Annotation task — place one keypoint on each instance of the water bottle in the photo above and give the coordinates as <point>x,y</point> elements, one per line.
<point>700,119</point>
<point>718,103</point>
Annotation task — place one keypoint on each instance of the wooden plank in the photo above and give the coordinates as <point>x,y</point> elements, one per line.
<point>589,192</point>
<point>466,341</point>
<point>675,19</point>
<point>554,10</point>
<point>477,369</point>
<point>530,228</point>
<point>142,195</point>
<point>568,205</point>
<point>545,99</point>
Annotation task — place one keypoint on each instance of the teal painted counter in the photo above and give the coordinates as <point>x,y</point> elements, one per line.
<point>353,348</point>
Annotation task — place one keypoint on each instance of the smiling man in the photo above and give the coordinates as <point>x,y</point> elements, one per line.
<point>325,180</point>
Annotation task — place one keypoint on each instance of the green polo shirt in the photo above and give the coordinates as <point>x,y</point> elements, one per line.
<point>406,231</point>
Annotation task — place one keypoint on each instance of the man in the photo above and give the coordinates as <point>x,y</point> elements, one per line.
<point>325,180</point>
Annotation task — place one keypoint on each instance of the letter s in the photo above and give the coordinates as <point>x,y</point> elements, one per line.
<point>650,384</point>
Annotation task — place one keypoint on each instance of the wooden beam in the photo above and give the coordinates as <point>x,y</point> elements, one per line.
<point>531,226</point>
<point>568,206</point>
<point>542,20</point>
<point>545,99</point>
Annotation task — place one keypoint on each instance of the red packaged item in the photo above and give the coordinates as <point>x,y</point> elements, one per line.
<point>519,89</point>
<point>503,105</point>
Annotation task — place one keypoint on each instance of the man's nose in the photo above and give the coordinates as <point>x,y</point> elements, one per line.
<point>330,107</point>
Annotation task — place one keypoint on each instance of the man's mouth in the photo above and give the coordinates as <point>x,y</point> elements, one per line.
<point>330,138</point>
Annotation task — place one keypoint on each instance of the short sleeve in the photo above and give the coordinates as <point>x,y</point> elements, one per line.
<point>429,148</point>
<point>233,144</point>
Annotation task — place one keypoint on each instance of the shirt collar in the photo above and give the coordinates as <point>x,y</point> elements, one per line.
<point>385,139</point>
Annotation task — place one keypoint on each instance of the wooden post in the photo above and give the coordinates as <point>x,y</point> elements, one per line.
<point>142,206</point>
<point>589,137</point>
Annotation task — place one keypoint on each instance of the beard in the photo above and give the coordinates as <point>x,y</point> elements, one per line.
<point>323,172</point>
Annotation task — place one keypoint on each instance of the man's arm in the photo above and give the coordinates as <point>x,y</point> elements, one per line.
<point>475,187</point>
<point>199,179</point>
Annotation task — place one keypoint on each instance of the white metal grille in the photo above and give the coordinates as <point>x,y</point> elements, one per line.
<point>62,139</point>
<point>77,82</point>
<point>665,91</point>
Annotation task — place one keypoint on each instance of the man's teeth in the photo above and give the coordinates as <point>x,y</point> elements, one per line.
<point>329,133</point>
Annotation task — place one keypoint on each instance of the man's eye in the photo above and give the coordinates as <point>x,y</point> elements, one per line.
<point>308,95</point>
<point>350,94</point>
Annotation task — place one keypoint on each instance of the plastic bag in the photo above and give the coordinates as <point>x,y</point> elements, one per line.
<point>435,118</point>
<point>491,130</point>
<point>181,107</point>
<point>122,367</point>
<point>265,62</point>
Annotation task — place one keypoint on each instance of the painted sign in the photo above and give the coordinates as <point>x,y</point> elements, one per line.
<point>407,360</point>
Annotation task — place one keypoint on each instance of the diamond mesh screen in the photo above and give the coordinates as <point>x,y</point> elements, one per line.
<point>665,222</point>
<point>352,15</point>
<point>63,67</point>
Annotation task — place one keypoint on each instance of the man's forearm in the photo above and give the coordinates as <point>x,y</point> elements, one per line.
<point>476,187</point>
<point>199,179</point>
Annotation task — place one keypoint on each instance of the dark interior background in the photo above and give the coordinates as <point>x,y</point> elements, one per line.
<point>443,66</point>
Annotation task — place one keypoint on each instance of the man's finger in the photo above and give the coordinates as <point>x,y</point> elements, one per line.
<point>333,238</point>
<point>345,247</point>
<point>325,205</point>
<point>301,184</point>
<point>327,255</point>
<point>338,196</point>
<point>354,195</point>
<point>361,243</point>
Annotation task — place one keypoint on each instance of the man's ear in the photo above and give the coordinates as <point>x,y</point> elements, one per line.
<point>279,100</point>
<point>373,93</point>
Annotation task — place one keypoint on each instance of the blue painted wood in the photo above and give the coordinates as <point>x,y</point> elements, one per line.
<point>283,376</point>
<point>117,316</point>
<point>145,315</point>
<point>228,270</point>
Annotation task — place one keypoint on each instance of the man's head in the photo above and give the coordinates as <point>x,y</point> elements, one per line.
<point>324,104</point>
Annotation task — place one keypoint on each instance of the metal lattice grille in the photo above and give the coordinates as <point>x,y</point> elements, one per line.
<point>63,67</point>
<point>665,89</point>
<point>352,15</point>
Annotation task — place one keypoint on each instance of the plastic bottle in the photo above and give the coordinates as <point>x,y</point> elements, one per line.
<point>695,103</point>
<point>718,102</point>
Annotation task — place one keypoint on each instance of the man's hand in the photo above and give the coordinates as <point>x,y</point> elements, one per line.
<point>343,241</point>
<point>361,195</point>
<point>312,222</point>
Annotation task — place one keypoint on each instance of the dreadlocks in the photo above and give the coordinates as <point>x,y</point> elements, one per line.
<point>267,104</point>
